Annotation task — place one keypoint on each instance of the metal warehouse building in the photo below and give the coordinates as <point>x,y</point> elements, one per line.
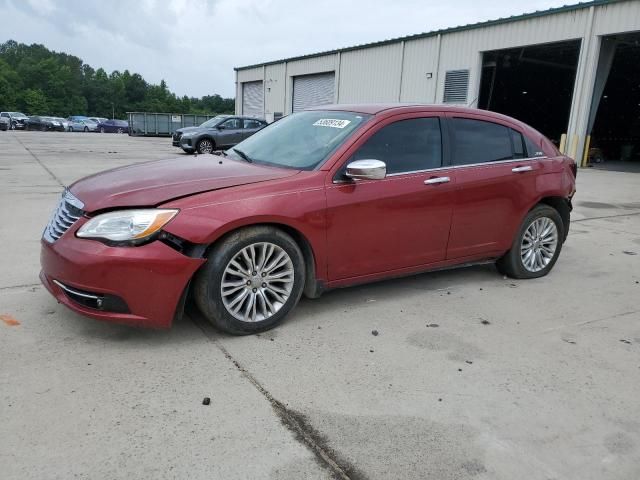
<point>572,72</point>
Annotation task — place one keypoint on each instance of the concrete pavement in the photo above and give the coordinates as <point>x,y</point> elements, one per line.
<point>471,375</point>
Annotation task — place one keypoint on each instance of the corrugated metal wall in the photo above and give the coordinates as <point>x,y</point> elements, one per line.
<point>371,74</point>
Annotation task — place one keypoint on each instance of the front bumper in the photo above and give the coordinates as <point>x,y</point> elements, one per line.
<point>139,286</point>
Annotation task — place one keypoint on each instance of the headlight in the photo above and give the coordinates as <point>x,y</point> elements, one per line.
<point>126,225</point>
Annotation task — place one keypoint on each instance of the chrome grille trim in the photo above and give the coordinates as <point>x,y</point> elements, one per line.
<point>69,210</point>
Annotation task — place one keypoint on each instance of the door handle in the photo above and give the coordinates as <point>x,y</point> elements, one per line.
<point>437,180</point>
<point>526,168</point>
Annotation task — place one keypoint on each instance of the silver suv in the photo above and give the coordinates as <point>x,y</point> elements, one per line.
<point>16,119</point>
<point>218,133</point>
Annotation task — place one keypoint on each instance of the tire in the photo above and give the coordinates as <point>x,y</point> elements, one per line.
<point>218,308</point>
<point>101,129</point>
<point>70,129</point>
<point>13,125</point>
<point>86,129</point>
<point>206,145</point>
<point>533,252</point>
<point>120,130</point>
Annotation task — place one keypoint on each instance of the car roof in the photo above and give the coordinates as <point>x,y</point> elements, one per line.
<point>398,108</point>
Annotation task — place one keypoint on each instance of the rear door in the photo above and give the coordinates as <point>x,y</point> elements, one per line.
<point>401,221</point>
<point>231,133</point>
<point>496,184</point>
<point>249,127</point>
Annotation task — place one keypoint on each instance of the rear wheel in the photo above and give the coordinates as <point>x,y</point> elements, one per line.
<point>13,125</point>
<point>70,129</point>
<point>205,145</point>
<point>537,245</point>
<point>120,130</point>
<point>251,281</point>
<point>101,129</point>
<point>86,129</point>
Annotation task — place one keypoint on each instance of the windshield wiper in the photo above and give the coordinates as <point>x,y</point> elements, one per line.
<point>243,155</point>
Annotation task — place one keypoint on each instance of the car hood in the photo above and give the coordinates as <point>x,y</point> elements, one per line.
<point>153,183</point>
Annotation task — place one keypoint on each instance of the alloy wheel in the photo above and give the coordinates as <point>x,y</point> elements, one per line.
<point>257,282</point>
<point>539,244</point>
<point>205,146</point>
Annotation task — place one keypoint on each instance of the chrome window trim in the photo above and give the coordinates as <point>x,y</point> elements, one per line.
<point>528,159</point>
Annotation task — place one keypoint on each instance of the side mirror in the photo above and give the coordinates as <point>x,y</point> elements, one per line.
<point>221,127</point>
<point>367,170</point>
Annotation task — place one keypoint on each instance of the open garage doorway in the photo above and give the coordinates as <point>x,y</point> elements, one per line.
<point>614,122</point>
<point>533,84</point>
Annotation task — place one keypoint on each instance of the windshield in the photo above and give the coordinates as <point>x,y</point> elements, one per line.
<point>212,122</point>
<point>302,140</point>
<point>18,114</point>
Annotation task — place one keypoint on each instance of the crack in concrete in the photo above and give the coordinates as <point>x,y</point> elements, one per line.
<point>51,174</point>
<point>588,322</point>
<point>606,216</point>
<point>304,433</point>
<point>26,285</point>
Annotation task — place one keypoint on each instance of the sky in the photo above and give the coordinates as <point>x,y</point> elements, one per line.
<point>195,44</point>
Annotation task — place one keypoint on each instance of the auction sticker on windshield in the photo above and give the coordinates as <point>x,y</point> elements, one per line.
<point>332,122</point>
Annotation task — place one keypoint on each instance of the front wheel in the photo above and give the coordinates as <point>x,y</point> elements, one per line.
<point>86,129</point>
<point>120,130</point>
<point>537,245</point>
<point>205,146</point>
<point>13,126</point>
<point>101,129</point>
<point>251,281</point>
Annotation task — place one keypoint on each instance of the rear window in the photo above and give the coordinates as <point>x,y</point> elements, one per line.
<point>479,141</point>
<point>533,149</point>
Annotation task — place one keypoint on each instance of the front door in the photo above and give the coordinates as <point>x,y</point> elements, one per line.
<point>401,221</point>
<point>230,133</point>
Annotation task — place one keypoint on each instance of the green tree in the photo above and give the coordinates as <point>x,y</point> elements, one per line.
<point>38,80</point>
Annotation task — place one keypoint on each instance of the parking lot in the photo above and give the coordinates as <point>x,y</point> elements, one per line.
<point>470,375</point>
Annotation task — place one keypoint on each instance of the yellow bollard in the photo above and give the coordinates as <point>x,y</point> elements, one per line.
<point>563,143</point>
<point>585,156</point>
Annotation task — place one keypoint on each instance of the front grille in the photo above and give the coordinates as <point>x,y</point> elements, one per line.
<point>68,212</point>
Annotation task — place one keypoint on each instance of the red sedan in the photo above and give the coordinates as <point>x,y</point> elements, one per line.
<point>321,199</point>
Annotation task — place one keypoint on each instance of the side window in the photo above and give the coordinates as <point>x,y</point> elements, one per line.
<point>533,150</point>
<point>233,124</point>
<point>405,146</point>
<point>518,144</point>
<point>5,114</point>
<point>251,123</point>
<point>478,141</point>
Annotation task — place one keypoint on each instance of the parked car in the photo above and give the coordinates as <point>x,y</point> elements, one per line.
<point>63,121</point>
<point>98,119</point>
<point>85,125</point>
<point>43,124</point>
<point>218,133</point>
<point>113,126</point>
<point>4,124</point>
<point>16,119</point>
<point>324,198</point>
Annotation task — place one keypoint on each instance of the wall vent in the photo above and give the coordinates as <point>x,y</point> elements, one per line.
<point>456,86</point>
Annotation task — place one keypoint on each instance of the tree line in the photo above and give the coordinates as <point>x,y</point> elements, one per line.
<point>38,81</point>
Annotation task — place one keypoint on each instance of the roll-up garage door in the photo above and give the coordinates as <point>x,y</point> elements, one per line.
<point>252,99</point>
<point>313,90</point>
